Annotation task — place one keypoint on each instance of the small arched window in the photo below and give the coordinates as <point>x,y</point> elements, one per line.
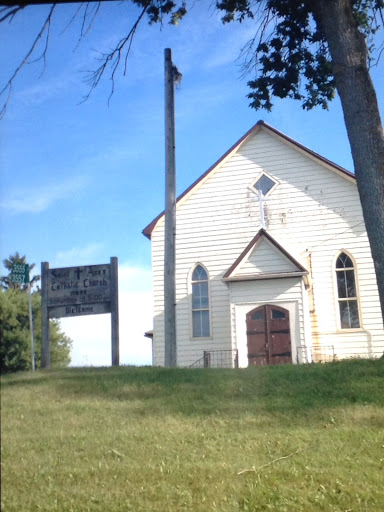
<point>200,303</point>
<point>347,292</point>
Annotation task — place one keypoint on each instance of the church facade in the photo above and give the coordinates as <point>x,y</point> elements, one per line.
<point>273,263</point>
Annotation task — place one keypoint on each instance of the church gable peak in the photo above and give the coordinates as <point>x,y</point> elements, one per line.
<point>264,258</point>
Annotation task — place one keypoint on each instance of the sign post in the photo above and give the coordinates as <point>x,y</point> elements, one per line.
<point>78,291</point>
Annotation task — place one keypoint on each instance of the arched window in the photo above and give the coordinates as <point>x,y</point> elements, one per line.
<point>347,292</point>
<point>200,303</point>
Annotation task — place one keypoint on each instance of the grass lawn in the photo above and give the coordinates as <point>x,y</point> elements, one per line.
<point>284,438</point>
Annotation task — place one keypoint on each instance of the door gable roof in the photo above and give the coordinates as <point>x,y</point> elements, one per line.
<point>264,258</point>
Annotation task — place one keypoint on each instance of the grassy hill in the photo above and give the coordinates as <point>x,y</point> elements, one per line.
<point>285,438</point>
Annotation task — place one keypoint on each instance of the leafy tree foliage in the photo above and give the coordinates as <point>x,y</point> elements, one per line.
<point>15,336</point>
<point>8,263</point>
<point>290,54</point>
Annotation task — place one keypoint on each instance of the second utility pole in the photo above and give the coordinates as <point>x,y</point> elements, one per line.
<point>171,75</point>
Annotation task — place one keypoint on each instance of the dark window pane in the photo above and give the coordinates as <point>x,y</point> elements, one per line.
<point>344,261</point>
<point>199,274</point>
<point>350,282</point>
<point>200,324</point>
<point>349,315</point>
<point>276,315</point>
<point>341,284</point>
<point>264,184</point>
<point>258,315</point>
<point>200,295</point>
<point>346,284</point>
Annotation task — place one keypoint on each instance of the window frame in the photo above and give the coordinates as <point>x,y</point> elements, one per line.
<point>191,309</point>
<point>258,177</point>
<point>339,299</point>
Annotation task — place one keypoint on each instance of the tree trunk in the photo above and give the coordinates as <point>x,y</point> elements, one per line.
<point>349,53</point>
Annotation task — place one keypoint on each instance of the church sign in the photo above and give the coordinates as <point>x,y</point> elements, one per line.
<point>78,291</point>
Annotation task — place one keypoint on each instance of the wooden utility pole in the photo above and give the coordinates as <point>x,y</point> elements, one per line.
<point>170,356</point>
<point>114,312</point>
<point>45,345</point>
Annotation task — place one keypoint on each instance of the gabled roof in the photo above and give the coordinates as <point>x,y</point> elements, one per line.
<point>147,231</point>
<point>285,265</point>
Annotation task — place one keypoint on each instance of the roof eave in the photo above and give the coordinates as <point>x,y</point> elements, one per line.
<point>260,277</point>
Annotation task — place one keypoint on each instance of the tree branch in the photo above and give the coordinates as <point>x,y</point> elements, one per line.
<point>113,59</point>
<point>10,12</point>
<point>9,85</point>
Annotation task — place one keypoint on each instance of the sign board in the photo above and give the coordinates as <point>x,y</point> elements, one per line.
<point>72,290</point>
<point>78,291</point>
<point>79,309</point>
<point>20,273</point>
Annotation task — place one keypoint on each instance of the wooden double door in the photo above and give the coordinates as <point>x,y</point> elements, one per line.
<point>268,336</point>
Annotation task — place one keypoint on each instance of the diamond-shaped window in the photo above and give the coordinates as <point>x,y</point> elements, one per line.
<point>264,184</point>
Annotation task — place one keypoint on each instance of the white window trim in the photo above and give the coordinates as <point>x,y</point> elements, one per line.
<point>191,337</point>
<point>263,173</point>
<point>336,294</point>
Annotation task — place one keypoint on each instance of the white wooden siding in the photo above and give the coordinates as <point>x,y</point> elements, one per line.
<point>313,213</point>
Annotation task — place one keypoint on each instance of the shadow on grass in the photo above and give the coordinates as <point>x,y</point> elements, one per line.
<point>296,390</point>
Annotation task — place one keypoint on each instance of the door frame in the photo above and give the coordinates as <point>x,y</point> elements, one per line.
<point>239,332</point>
<point>268,332</point>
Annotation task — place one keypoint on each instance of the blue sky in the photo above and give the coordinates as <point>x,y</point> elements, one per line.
<point>79,181</point>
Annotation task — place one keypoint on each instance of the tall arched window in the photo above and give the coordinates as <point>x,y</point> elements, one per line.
<point>200,303</point>
<point>347,292</point>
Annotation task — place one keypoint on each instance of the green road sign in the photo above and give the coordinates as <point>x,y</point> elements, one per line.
<point>20,273</point>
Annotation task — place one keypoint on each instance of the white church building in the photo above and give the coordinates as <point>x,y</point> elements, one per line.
<point>273,263</point>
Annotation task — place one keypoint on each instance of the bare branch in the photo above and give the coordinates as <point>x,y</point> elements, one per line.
<point>247,53</point>
<point>83,31</point>
<point>72,19</point>
<point>9,84</point>
<point>89,10</point>
<point>11,12</point>
<point>96,10</point>
<point>44,53</point>
<point>113,60</point>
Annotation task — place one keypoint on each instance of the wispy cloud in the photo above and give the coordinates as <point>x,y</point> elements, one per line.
<point>228,48</point>
<point>78,256</point>
<point>38,199</point>
<point>44,91</point>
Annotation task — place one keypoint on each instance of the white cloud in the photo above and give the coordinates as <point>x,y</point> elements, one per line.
<point>91,335</point>
<point>46,90</point>
<point>77,256</point>
<point>38,199</point>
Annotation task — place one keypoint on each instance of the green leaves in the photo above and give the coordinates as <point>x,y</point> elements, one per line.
<point>159,10</point>
<point>290,55</point>
<point>293,62</point>
<point>15,337</point>
<point>232,7</point>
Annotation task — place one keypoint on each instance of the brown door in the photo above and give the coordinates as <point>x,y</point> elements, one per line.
<point>268,336</point>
